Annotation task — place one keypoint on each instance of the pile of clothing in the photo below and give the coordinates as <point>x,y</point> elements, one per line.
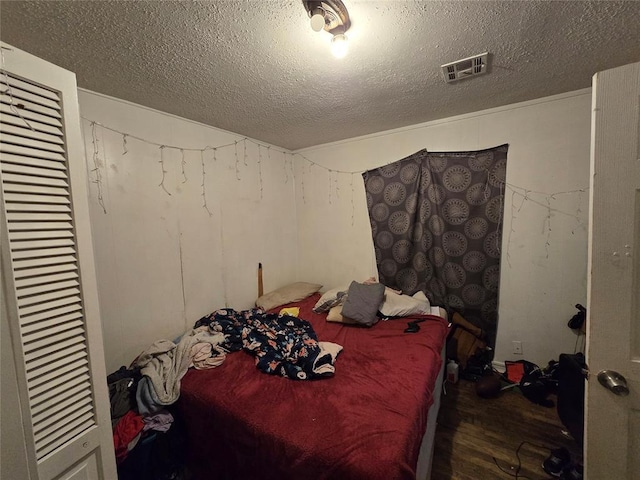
<point>140,398</point>
<point>281,344</point>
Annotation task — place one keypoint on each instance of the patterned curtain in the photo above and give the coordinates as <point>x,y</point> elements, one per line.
<point>436,221</point>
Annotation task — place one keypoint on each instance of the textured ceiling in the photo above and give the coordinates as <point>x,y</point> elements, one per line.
<point>257,68</point>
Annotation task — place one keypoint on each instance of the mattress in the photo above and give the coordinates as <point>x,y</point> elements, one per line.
<point>365,422</point>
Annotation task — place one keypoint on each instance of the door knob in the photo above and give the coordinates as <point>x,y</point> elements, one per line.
<point>614,382</point>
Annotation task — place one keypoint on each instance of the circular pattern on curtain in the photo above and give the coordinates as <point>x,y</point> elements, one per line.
<point>407,279</point>
<point>493,211</point>
<point>457,178</point>
<point>437,163</point>
<point>399,222</point>
<point>436,225</point>
<point>409,173</point>
<point>436,193</point>
<point>454,243</point>
<point>476,228</point>
<point>474,261</point>
<point>394,194</point>
<point>388,267</point>
<point>455,211</point>
<point>375,185</point>
<point>384,240</point>
<point>453,275</point>
<point>478,194</point>
<point>402,251</point>
<point>380,212</point>
<point>412,203</point>
<point>390,171</point>
<point>481,161</point>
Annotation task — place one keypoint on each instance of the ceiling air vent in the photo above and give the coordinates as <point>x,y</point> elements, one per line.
<point>467,67</point>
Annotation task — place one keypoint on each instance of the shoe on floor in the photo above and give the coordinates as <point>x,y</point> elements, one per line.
<point>572,472</point>
<point>556,462</point>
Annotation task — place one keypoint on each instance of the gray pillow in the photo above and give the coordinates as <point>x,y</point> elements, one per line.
<point>363,302</point>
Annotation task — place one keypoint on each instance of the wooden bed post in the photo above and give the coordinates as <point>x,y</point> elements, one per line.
<point>260,287</point>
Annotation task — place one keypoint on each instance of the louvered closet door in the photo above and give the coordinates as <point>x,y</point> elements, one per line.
<point>44,280</point>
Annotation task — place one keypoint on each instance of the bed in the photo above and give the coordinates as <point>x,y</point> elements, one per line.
<point>375,419</point>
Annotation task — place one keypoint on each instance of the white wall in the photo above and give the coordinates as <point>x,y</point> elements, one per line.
<point>151,247</point>
<point>548,152</point>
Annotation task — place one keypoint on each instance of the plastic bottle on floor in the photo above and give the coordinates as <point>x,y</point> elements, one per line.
<point>452,372</point>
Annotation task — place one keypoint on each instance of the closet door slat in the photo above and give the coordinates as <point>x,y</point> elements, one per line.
<point>51,224</point>
<point>53,366</point>
<point>6,137</point>
<point>36,235</point>
<point>14,218</point>
<point>51,323</point>
<point>43,252</point>
<point>40,244</point>
<point>79,397</point>
<point>9,159</point>
<point>30,116</point>
<point>49,269</point>
<point>27,150</point>
<point>43,262</point>
<point>78,415</point>
<point>21,188</point>
<point>24,104</point>
<point>31,179</point>
<point>50,315</point>
<point>16,121</point>
<point>70,390</point>
<point>27,199</point>
<point>66,434</point>
<point>24,131</point>
<point>32,281</point>
<point>44,351</point>
<point>29,87</point>
<point>49,305</point>
<point>20,169</point>
<point>45,378</point>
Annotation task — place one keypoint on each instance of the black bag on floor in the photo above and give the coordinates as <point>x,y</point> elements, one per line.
<point>571,381</point>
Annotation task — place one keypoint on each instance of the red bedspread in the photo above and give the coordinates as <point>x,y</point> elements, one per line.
<point>366,422</point>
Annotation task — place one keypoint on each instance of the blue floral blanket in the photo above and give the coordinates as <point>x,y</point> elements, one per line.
<point>282,345</point>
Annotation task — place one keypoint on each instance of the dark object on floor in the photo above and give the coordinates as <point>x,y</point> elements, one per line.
<point>556,462</point>
<point>572,472</point>
<point>122,384</point>
<point>534,384</point>
<point>157,456</point>
<point>488,386</point>
<point>478,365</point>
<point>571,394</point>
<point>577,321</point>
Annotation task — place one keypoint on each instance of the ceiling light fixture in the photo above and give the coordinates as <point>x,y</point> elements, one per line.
<point>317,19</point>
<point>331,16</point>
<point>339,45</point>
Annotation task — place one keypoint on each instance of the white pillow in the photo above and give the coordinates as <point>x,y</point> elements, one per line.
<point>287,294</point>
<point>395,305</point>
<point>331,298</point>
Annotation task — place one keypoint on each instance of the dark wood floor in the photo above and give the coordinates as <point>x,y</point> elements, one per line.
<point>471,430</point>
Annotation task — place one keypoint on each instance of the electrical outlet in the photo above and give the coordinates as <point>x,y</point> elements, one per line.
<point>517,347</point>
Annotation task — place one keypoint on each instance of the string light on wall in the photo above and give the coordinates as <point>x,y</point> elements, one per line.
<point>204,191</point>
<point>96,167</point>
<point>519,195</point>
<point>164,172</point>
<point>331,16</point>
